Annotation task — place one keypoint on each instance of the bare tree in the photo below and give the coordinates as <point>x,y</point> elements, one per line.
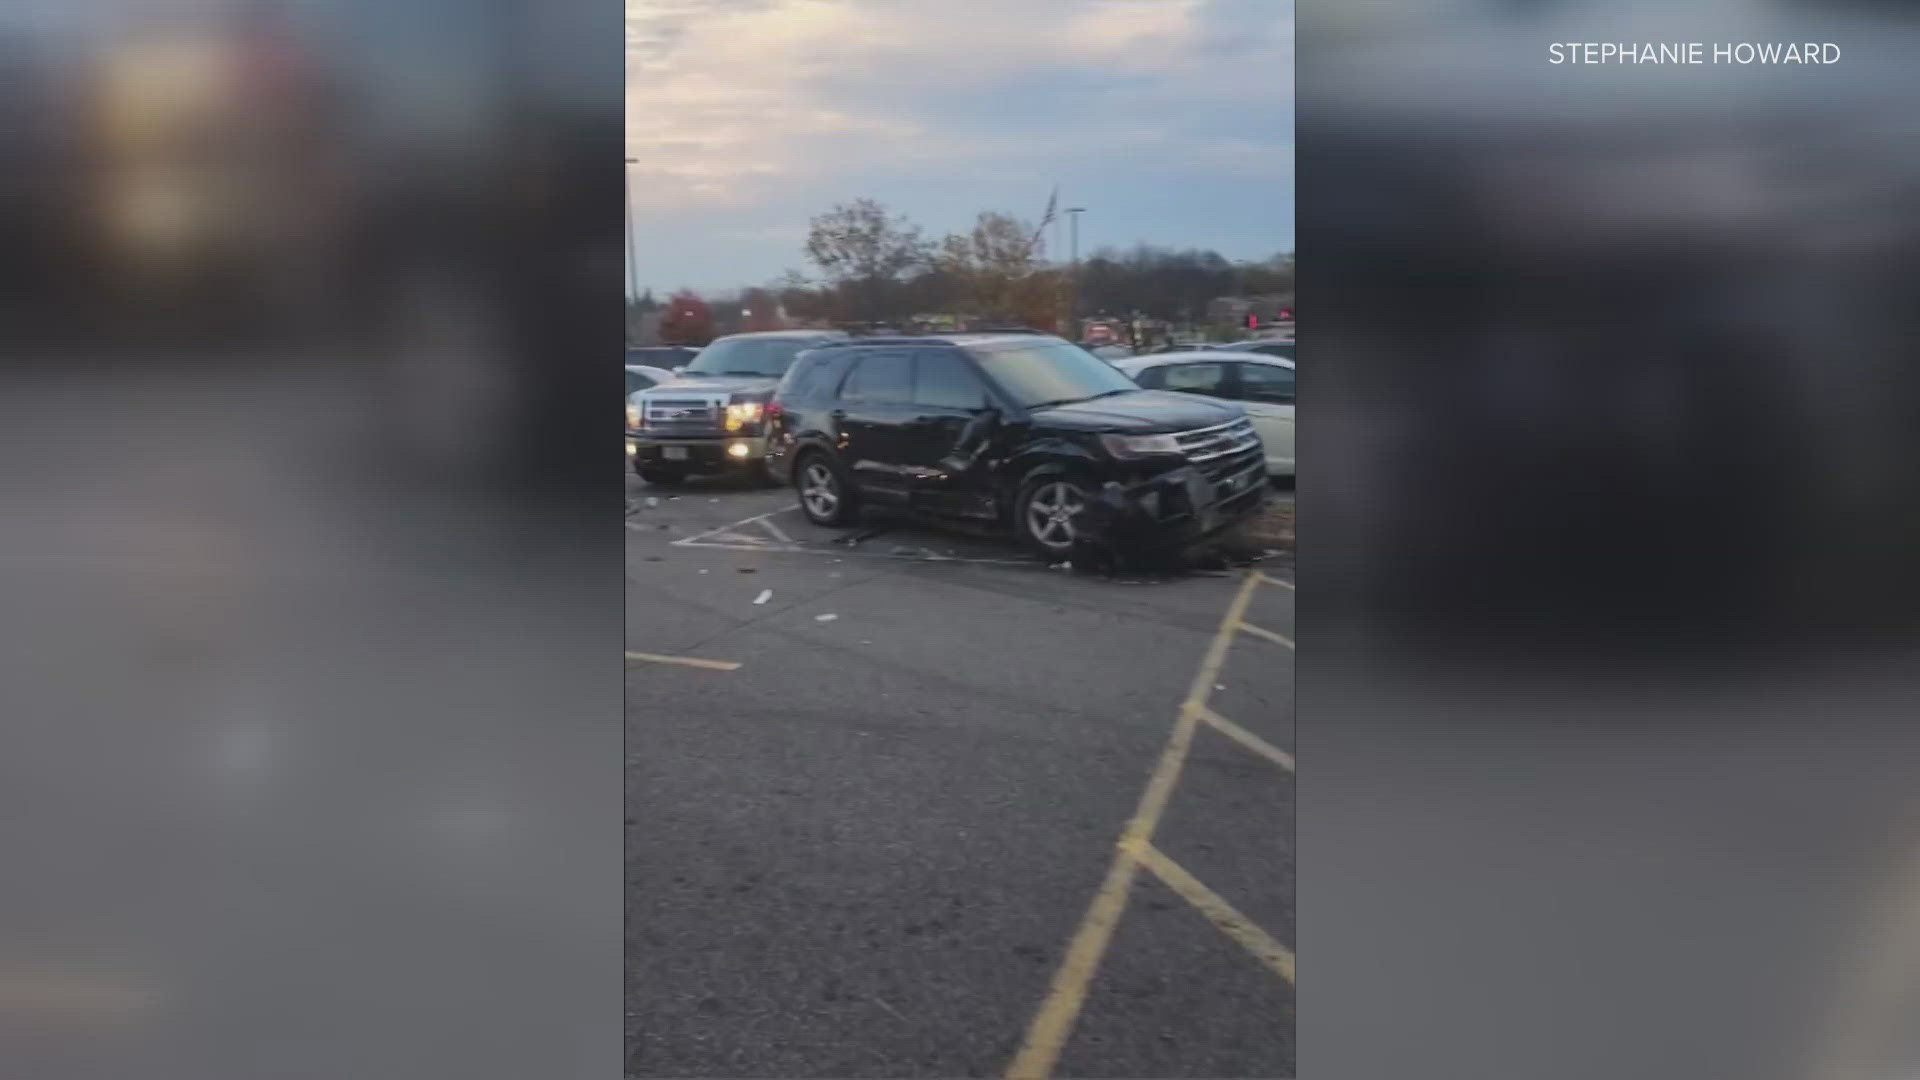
<point>996,267</point>
<point>865,251</point>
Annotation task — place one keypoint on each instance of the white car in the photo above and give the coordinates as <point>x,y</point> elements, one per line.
<point>640,377</point>
<point>1283,347</point>
<point>1263,385</point>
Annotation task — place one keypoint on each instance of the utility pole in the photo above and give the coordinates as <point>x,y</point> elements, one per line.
<point>1073,281</point>
<point>633,273</point>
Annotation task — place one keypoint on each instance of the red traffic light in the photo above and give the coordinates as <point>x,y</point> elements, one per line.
<point>1253,321</point>
<point>1286,314</point>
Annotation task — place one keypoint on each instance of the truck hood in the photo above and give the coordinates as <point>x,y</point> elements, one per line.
<point>741,387</point>
<point>1139,412</point>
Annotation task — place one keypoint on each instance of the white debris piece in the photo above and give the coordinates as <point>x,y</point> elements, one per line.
<point>703,571</point>
<point>652,501</point>
<point>829,617</point>
<point>765,595</point>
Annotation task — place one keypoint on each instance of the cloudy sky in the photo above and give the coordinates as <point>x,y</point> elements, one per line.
<point>1171,121</point>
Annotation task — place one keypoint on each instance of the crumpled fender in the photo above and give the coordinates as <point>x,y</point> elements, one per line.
<point>1118,519</point>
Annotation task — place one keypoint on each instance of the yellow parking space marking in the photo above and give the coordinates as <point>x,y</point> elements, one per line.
<point>1247,739</point>
<point>1879,980</point>
<point>1271,580</point>
<point>689,661</point>
<point>1218,912</point>
<point>1263,632</point>
<point>46,989</point>
<point>1047,1035</point>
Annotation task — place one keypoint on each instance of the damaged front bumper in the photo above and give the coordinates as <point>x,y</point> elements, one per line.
<point>1172,509</point>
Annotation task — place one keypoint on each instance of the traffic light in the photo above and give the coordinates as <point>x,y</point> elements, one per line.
<point>1253,321</point>
<point>1286,314</point>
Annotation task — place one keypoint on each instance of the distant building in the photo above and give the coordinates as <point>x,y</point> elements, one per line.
<point>1230,312</point>
<point>1138,331</point>
<point>645,328</point>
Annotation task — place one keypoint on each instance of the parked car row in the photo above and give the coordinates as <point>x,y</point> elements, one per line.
<point>1261,384</point>
<point>1024,430</point>
<point>712,416</point>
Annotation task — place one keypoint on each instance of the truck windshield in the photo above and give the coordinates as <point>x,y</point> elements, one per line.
<point>749,356</point>
<point>1051,373</point>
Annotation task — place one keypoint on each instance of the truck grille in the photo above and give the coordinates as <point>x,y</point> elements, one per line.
<point>681,415</point>
<point>1224,450</point>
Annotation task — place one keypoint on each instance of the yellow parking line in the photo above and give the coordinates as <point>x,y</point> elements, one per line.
<point>689,661</point>
<point>1263,632</point>
<point>1218,912</point>
<point>1047,1035</point>
<point>1248,739</point>
<point>1872,1004</point>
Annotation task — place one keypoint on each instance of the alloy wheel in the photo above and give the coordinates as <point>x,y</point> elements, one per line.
<point>1050,513</point>
<point>819,490</point>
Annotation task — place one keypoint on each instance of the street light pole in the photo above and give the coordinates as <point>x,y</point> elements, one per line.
<point>1073,280</point>
<point>633,273</point>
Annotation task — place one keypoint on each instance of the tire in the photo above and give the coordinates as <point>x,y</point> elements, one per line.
<point>1042,514</point>
<point>660,477</point>
<point>826,496</point>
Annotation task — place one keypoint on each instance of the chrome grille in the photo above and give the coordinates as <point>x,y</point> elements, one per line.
<point>1219,448</point>
<point>684,415</point>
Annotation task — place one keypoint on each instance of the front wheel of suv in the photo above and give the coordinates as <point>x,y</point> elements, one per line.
<point>825,496</point>
<point>1045,513</point>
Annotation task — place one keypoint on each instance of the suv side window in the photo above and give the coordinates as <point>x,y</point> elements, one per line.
<point>812,376</point>
<point>1270,383</point>
<point>881,377</point>
<point>1204,378</point>
<point>1153,378</point>
<point>943,380</point>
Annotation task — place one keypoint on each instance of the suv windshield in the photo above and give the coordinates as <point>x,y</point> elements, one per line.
<point>1052,373</point>
<point>749,356</point>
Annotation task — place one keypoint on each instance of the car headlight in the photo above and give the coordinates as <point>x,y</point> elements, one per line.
<point>1132,446</point>
<point>633,416</point>
<point>742,413</point>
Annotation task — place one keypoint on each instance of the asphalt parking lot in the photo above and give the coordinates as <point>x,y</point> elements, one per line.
<point>902,802</point>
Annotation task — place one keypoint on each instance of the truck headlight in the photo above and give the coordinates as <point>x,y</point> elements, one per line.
<point>742,413</point>
<point>633,417</point>
<point>1133,446</point>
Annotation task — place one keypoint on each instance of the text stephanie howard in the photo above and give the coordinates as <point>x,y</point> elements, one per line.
<point>1693,52</point>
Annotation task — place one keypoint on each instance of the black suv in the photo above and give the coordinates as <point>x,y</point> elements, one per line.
<point>1028,431</point>
<point>712,418</point>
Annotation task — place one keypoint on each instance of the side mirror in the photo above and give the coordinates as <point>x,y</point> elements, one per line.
<point>984,423</point>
